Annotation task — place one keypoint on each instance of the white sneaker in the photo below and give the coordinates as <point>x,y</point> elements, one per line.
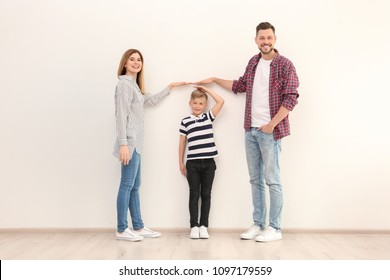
<point>203,234</point>
<point>270,234</point>
<point>148,233</point>
<point>251,233</point>
<point>194,233</point>
<point>128,235</point>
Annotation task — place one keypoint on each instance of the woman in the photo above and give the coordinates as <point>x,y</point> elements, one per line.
<point>129,101</point>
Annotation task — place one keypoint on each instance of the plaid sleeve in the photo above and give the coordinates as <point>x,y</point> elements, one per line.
<point>240,85</point>
<point>290,92</point>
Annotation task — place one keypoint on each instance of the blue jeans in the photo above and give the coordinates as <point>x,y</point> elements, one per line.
<point>128,194</point>
<point>262,154</point>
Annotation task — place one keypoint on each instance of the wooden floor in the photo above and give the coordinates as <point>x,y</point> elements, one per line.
<point>177,246</point>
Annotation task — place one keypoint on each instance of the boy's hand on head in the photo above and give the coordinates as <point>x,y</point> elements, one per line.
<point>202,88</point>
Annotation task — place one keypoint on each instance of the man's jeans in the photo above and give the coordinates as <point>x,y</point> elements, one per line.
<point>262,153</point>
<point>200,177</point>
<point>128,194</point>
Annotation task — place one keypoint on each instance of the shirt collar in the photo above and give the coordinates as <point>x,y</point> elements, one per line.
<point>192,116</point>
<point>275,58</point>
<point>127,77</point>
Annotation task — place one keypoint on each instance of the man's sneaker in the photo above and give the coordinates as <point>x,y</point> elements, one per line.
<point>270,234</point>
<point>194,233</point>
<point>251,233</point>
<point>148,233</point>
<point>203,234</point>
<point>128,235</point>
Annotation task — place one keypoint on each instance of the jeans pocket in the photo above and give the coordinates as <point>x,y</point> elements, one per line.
<point>267,134</point>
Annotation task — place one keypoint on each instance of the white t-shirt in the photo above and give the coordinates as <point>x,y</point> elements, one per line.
<point>260,96</point>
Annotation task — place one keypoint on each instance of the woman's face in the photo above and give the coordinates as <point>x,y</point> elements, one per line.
<point>133,65</point>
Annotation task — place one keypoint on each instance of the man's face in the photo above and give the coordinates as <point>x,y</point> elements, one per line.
<point>265,40</point>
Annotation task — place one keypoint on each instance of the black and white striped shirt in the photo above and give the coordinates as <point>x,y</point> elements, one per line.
<point>200,137</point>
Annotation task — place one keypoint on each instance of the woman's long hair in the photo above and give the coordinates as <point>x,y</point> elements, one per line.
<point>122,68</point>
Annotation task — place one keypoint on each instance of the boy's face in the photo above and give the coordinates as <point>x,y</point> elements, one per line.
<point>198,105</point>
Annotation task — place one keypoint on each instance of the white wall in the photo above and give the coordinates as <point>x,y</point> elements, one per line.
<point>58,65</point>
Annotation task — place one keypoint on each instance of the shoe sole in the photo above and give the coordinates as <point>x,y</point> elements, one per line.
<point>264,241</point>
<point>249,238</point>
<point>127,239</point>
<point>151,236</point>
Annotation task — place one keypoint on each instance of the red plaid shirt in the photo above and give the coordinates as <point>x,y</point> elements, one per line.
<point>283,84</point>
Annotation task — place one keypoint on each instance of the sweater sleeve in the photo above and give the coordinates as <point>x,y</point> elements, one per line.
<point>123,98</point>
<point>156,98</point>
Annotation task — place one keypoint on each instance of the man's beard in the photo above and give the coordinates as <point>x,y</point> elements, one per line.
<point>269,51</point>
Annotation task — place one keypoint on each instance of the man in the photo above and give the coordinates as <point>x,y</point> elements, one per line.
<point>270,82</point>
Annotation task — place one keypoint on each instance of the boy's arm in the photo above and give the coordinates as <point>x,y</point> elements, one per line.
<point>182,146</point>
<point>218,99</point>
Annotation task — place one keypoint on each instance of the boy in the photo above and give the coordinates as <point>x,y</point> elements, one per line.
<point>197,131</point>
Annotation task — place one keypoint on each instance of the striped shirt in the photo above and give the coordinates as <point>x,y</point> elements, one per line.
<point>200,137</point>
<point>283,84</point>
<point>129,113</point>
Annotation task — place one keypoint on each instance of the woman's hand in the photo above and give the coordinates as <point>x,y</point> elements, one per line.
<point>176,84</point>
<point>124,155</point>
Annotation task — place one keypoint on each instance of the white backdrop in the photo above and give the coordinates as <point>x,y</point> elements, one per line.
<point>58,75</point>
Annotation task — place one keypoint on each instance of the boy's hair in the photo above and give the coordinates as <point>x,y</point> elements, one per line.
<point>198,94</point>
<point>265,26</point>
